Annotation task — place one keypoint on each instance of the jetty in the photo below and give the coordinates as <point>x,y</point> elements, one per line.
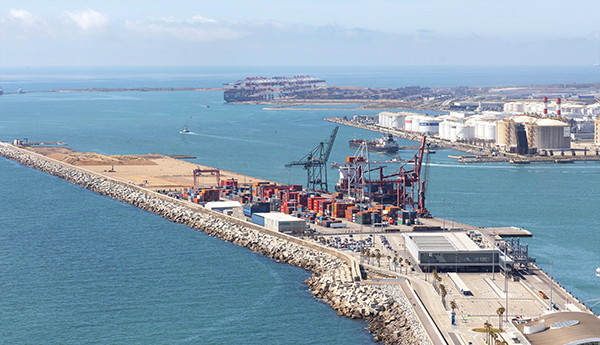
<point>401,303</point>
<point>336,275</point>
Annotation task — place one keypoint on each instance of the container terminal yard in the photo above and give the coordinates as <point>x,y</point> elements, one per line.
<point>458,277</point>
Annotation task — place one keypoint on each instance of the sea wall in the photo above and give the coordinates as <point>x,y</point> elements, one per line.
<point>334,273</point>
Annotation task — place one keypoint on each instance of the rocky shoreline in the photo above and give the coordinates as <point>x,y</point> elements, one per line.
<point>334,273</point>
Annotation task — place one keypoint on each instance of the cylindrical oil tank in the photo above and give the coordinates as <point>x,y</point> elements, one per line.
<point>381,119</point>
<point>460,132</point>
<point>517,107</point>
<point>398,122</point>
<point>429,125</point>
<point>471,133</point>
<point>415,123</point>
<point>447,129</point>
<point>453,132</point>
<point>490,131</point>
<point>480,130</point>
<point>442,129</point>
<point>502,129</point>
<point>408,123</point>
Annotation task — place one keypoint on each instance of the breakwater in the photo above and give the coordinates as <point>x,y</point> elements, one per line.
<point>335,275</point>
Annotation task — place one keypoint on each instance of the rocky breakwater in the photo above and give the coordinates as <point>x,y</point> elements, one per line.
<point>334,273</point>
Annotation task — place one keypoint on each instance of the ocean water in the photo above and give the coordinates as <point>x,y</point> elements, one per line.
<point>77,267</point>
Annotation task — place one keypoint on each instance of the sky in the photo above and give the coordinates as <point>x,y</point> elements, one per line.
<point>298,32</point>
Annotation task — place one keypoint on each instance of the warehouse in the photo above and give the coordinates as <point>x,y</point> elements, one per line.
<point>221,206</point>
<point>453,251</point>
<point>279,222</point>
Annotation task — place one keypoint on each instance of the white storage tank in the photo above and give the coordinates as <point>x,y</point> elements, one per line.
<point>464,132</point>
<point>447,130</point>
<point>480,130</point>
<point>398,122</point>
<point>381,119</point>
<point>460,132</point>
<point>453,128</point>
<point>490,131</point>
<point>429,126</point>
<point>415,123</point>
<point>517,107</point>
<point>408,123</point>
<point>442,129</point>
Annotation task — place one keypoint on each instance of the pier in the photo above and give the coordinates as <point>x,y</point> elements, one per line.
<point>337,272</point>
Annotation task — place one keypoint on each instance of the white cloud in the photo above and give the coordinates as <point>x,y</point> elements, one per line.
<point>158,30</point>
<point>89,19</point>
<point>203,20</point>
<point>23,15</point>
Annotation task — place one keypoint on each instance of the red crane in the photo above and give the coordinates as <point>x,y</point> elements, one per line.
<point>198,173</point>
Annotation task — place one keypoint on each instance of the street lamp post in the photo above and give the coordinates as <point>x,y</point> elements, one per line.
<point>493,260</point>
<point>244,174</point>
<point>452,218</point>
<point>444,202</point>
<point>551,308</point>
<point>505,288</point>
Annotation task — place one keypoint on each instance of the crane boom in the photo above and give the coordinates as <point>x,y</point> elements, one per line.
<point>330,143</point>
<point>315,163</point>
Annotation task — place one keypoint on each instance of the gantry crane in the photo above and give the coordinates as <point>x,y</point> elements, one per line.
<point>315,163</point>
<point>198,172</point>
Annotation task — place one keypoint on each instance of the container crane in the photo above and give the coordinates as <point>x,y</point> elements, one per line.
<point>198,172</point>
<point>404,188</point>
<point>315,163</point>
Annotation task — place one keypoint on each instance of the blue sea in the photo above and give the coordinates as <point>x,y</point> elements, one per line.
<point>80,268</point>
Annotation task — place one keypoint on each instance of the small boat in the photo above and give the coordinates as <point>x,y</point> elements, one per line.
<point>185,130</point>
<point>598,271</point>
<point>519,161</point>
<point>563,161</point>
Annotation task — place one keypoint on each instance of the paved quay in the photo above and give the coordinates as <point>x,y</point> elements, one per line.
<point>489,291</point>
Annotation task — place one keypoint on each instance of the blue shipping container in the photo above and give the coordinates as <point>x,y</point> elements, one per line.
<point>257,218</point>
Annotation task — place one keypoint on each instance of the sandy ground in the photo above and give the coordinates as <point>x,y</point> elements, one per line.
<point>155,170</point>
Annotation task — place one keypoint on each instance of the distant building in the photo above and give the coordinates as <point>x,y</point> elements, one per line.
<point>454,251</point>
<point>597,132</point>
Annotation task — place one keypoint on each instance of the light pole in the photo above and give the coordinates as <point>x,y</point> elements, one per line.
<point>244,174</point>
<point>444,202</point>
<point>452,218</point>
<point>493,259</point>
<point>551,308</point>
<point>505,286</point>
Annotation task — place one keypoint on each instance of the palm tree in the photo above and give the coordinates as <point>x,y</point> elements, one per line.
<point>452,305</point>
<point>395,262</point>
<point>488,330</point>
<point>500,311</point>
<point>389,257</point>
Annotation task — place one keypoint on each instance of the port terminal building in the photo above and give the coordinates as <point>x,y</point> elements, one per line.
<point>455,252</point>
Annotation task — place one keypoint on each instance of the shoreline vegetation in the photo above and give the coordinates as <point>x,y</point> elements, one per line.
<point>336,276</point>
